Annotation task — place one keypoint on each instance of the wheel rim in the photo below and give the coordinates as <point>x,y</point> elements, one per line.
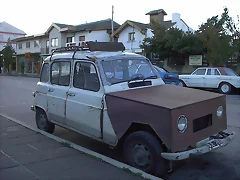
<point>142,156</point>
<point>180,84</point>
<point>42,122</point>
<point>225,88</point>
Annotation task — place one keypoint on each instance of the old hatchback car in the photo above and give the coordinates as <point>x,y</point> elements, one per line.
<point>94,92</point>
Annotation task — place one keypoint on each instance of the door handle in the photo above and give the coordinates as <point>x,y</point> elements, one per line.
<point>50,90</point>
<point>71,94</point>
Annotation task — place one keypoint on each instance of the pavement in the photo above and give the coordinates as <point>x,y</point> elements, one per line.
<point>28,155</point>
<point>224,163</point>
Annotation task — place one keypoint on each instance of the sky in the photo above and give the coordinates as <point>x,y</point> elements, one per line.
<point>36,16</point>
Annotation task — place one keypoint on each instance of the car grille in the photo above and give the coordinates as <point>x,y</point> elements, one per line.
<point>202,123</point>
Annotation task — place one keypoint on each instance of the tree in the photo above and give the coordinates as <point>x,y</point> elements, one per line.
<point>8,53</point>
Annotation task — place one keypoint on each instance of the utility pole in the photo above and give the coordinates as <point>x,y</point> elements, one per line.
<point>112,23</point>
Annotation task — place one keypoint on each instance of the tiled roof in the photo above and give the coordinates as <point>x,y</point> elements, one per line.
<point>62,25</point>
<point>98,25</point>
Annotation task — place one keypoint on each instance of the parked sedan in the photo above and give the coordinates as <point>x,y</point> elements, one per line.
<point>167,77</point>
<point>222,78</point>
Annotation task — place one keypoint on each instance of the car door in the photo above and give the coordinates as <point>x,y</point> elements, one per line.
<point>212,78</point>
<point>196,79</point>
<point>84,100</point>
<point>57,90</point>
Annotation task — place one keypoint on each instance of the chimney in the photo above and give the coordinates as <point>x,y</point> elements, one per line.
<point>176,17</point>
<point>157,15</point>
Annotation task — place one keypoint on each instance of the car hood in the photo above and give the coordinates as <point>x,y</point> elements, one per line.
<point>166,96</point>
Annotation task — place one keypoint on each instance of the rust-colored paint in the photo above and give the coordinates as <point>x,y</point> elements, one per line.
<point>160,107</point>
<point>222,71</point>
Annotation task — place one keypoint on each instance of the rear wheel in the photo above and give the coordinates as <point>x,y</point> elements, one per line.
<point>43,123</point>
<point>225,88</point>
<point>142,150</point>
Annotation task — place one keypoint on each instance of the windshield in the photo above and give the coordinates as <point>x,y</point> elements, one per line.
<point>160,69</point>
<point>117,71</point>
<point>230,72</point>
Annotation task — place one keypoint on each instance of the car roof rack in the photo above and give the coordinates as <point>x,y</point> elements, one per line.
<point>92,46</point>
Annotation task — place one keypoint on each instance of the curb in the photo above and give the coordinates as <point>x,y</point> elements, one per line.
<point>87,151</point>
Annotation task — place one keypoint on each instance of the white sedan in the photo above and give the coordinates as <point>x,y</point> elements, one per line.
<point>222,78</point>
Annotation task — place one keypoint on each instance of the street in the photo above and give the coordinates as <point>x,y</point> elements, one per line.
<point>16,99</point>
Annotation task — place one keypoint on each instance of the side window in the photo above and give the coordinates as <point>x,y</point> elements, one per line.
<point>44,73</point>
<point>86,77</point>
<point>216,72</point>
<point>209,72</point>
<point>200,72</point>
<point>60,73</point>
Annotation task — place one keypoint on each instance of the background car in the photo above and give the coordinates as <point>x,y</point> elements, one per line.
<point>222,78</point>
<point>167,77</point>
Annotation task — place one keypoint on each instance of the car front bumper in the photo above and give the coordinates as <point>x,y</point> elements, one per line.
<point>212,144</point>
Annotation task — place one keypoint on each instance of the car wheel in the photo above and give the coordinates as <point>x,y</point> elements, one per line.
<point>225,88</point>
<point>182,84</point>
<point>43,123</point>
<point>142,150</point>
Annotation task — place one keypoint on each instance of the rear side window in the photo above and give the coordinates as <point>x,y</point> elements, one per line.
<point>44,73</point>
<point>60,73</point>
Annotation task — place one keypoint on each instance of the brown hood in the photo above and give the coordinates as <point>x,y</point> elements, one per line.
<point>160,107</point>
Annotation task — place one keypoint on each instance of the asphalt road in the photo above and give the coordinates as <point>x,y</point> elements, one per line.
<point>16,99</point>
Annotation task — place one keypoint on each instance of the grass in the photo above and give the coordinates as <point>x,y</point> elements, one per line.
<point>66,144</point>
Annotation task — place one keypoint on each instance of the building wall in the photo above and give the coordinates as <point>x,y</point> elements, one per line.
<point>54,33</point>
<point>180,24</point>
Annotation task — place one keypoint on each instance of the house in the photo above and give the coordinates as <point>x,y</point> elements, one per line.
<point>132,33</point>
<point>7,31</point>
<point>59,35</point>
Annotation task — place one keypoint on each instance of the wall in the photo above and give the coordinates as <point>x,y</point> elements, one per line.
<point>123,37</point>
<point>24,49</point>
<point>180,23</point>
<point>54,33</point>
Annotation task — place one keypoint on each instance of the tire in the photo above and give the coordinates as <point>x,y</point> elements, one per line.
<point>138,143</point>
<point>225,88</point>
<point>43,123</point>
<point>181,83</point>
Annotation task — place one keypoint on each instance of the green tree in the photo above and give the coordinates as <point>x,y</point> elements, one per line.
<point>8,53</point>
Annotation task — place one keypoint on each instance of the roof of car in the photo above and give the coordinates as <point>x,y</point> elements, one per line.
<point>89,55</point>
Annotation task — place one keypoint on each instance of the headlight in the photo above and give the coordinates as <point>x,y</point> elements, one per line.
<point>219,111</point>
<point>182,123</point>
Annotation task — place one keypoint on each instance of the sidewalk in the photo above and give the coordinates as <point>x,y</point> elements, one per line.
<point>28,155</point>
<point>20,74</point>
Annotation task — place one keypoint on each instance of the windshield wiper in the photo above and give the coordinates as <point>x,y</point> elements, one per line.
<point>150,77</point>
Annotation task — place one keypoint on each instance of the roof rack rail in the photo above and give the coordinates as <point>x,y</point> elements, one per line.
<point>92,46</point>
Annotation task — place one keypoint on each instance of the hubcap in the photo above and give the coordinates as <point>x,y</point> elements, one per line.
<point>141,156</point>
<point>42,122</point>
<point>180,84</point>
<point>225,88</point>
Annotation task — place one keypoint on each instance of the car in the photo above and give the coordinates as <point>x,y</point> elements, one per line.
<point>222,78</point>
<point>168,78</point>
<point>100,95</point>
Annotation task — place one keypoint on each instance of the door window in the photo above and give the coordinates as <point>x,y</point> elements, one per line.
<point>200,72</point>
<point>213,72</point>
<point>44,73</point>
<point>60,73</point>
<point>86,77</point>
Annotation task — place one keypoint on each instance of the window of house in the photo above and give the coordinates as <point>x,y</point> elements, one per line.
<point>27,44</point>
<point>44,73</point>
<point>47,43</point>
<point>20,46</point>
<point>36,43</point>
<point>54,42</point>
<point>60,73</point>
<point>200,72</point>
<point>86,77</point>
<point>70,39</point>
<point>131,36</point>
<point>81,38</point>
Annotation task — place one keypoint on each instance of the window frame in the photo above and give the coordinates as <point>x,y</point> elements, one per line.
<point>131,34</point>
<point>60,61</point>
<point>42,71</point>
<point>75,64</point>
<point>28,42</point>
<point>53,42</point>
<point>19,45</point>
<point>79,38</point>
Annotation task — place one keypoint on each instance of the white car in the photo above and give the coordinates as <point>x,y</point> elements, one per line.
<point>222,78</point>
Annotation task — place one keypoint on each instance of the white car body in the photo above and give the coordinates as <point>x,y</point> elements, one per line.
<point>212,78</point>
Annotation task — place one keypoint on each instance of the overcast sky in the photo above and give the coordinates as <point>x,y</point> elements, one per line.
<point>35,16</point>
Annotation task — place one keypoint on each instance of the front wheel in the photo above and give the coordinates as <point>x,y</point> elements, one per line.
<point>142,150</point>
<point>181,83</point>
<point>43,123</point>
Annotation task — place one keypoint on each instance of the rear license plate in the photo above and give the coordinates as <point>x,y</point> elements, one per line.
<point>214,144</point>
